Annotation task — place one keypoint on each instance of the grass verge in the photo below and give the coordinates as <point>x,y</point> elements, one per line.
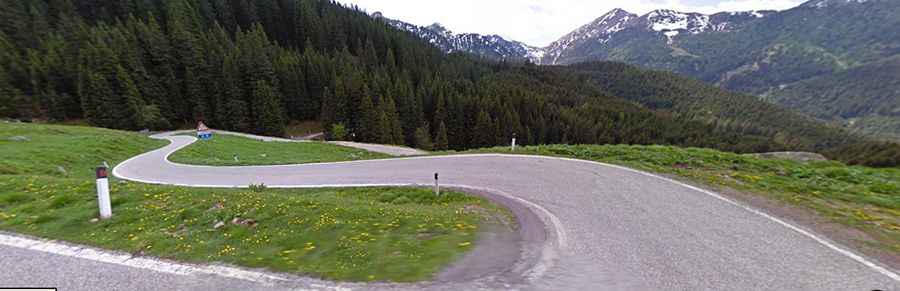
<point>383,234</point>
<point>222,149</point>
<point>865,199</point>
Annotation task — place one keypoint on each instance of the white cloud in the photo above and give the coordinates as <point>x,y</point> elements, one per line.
<point>539,22</point>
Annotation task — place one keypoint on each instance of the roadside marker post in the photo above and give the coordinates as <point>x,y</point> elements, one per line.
<point>437,188</point>
<point>103,193</point>
<point>513,146</point>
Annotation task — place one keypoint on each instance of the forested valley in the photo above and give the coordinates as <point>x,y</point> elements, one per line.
<point>255,66</point>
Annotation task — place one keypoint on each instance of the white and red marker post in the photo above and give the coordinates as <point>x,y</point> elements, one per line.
<point>437,188</point>
<point>103,193</point>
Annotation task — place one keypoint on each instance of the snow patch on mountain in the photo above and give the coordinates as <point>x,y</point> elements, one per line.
<point>668,20</point>
<point>829,3</point>
<point>601,30</point>
<point>488,46</point>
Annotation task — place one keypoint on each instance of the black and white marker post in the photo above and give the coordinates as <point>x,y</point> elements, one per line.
<point>103,193</point>
<point>437,188</point>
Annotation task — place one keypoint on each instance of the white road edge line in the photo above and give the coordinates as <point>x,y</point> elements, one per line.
<point>822,241</point>
<point>153,264</point>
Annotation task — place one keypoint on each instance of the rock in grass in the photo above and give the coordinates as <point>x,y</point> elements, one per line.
<point>245,222</point>
<point>216,206</point>
<point>18,138</point>
<point>219,225</point>
<point>62,170</point>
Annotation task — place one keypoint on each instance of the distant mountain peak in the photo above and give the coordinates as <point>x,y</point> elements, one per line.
<point>487,46</point>
<point>831,3</point>
<point>601,29</point>
<point>438,28</point>
<point>665,20</point>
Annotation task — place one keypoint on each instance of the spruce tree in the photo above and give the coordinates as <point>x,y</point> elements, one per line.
<point>233,108</point>
<point>367,129</point>
<point>384,126</point>
<point>397,136</point>
<point>423,138</point>
<point>327,117</point>
<point>126,102</point>
<point>440,138</point>
<point>269,118</point>
<point>9,96</point>
<point>483,134</point>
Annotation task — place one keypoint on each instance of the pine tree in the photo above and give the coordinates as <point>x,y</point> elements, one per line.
<point>397,136</point>
<point>187,58</point>
<point>423,138</point>
<point>308,27</point>
<point>410,112</point>
<point>163,87</point>
<point>440,138</point>
<point>97,103</point>
<point>367,129</point>
<point>440,111</point>
<point>38,28</point>
<point>483,134</point>
<point>126,103</point>
<point>14,25</point>
<point>384,125</point>
<point>59,9</point>
<point>234,108</point>
<point>327,117</point>
<point>269,118</point>
<point>9,97</point>
<point>370,55</point>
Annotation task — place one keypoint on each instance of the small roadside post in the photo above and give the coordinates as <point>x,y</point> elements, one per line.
<point>103,192</point>
<point>437,188</point>
<point>513,146</point>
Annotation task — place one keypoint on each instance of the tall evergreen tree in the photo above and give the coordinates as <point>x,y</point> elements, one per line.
<point>235,112</point>
<point>10,96</point>
<point>483,134</point>
<point>366,128</point>
<point>440,138</point>
<point>269,118</point>
<point>423,138</point>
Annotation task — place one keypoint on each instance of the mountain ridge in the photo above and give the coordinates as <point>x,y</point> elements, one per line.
<point>779,56</point>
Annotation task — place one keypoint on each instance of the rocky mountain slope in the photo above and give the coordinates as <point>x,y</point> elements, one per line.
<point>832,59</point>
<point>491,47</point>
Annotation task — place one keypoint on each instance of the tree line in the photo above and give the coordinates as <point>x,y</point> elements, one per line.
<point>254,66</point>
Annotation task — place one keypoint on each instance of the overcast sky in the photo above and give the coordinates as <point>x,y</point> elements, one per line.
<point>540,22</point>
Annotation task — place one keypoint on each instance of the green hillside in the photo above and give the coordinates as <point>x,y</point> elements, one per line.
<point>837,63</point>
<point>255,66</point>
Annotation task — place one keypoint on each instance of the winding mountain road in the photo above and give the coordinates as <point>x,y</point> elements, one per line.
<point>606,227</point>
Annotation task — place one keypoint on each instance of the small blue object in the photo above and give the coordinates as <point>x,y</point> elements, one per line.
<point>204,135</point>
<point>203,132</point>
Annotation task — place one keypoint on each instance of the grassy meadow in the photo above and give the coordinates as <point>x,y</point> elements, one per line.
<point>222,149</point>
<point>373,234</point>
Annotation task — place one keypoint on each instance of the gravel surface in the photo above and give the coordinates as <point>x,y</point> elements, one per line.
<point>606,227</point>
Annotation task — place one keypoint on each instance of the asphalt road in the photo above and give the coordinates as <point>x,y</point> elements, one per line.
<point>608,228</point>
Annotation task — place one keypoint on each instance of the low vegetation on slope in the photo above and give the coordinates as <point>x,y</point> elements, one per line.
<point>384,234</point>
<point>864,198</point>
<point>226,150</point>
